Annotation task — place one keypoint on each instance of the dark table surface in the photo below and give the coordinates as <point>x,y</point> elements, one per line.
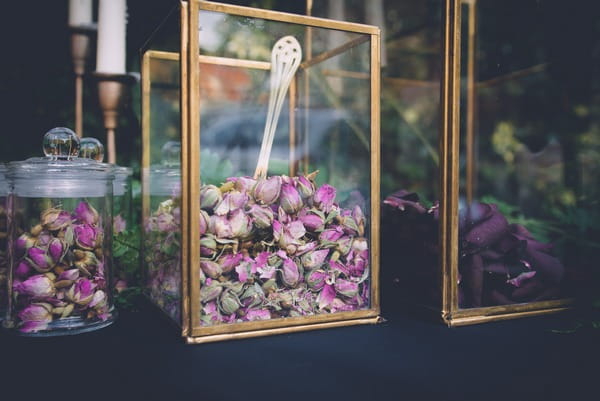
<point>141,356</point>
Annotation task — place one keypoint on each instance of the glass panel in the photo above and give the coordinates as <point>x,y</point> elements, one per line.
<point>294,243</point>
<point>530,162</point>
<point>410,77</point>
<point>162,175</point>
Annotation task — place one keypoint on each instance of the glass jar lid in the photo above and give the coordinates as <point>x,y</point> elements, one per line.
<point>61,173</point>
<point>165,178</point>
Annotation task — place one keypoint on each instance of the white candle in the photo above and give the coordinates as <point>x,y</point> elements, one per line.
<point>80,12</point>
<point>112,23</point>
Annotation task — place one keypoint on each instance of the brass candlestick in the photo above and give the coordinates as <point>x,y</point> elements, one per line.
<point>111,94</point>
<point>80,51</point>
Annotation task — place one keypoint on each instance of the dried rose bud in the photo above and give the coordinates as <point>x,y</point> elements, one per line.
<point>349,225</point>
<point>305,186</point>
<point>316,279</point>
<point>344,244</point>
<point>85,213</point>
<point>208,245</point>
<point>257,314</point>
<point>221,226</point>
<point>290,273</point>
<point>241,224</point>
<point>290,199</point>
<point>88,263</point>
<point>210,292</point>
<point>314,259</point>
<point>326,296</point>
<point>324,197</point>
<point>37,286</point>
<point>262,216</point>
<point>24,242</point>
<point>269,285</point>
<point>242,184</point>
<point>55,219</point>
<point>312,222</point>
<point>57,250</point>
<point>23,269</point>
<point>346,288</point>
<point>39,259</point>
<point>229,261</point>
<point>204,222</point>
<point>66,278</point>
<point>229,303</point>
<point>85,236</point>
<point>210,197</point>
<point>81,292</point>
<point>331,235</point>
<point>119,224</point>
<point>267,191</point>
<point>36,312</point>
<point>211,269</point>
<point>252,296</point>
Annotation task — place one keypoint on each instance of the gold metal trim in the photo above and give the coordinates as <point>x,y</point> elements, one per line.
<point>375,166</point>
<point>449,157</point>
<point>194,155</point>
<point>186,185</point>
<point>281,330</point>
<point>145,88</point>
<point>162,55</point>
<point>476,319</point>
<point>334,52</point>
<point>285,17</point>
<point>231,328</point>
<point>471,104</point>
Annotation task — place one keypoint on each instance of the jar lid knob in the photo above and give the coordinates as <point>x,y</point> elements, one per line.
<point>91,148</point>
<point>61,143</point>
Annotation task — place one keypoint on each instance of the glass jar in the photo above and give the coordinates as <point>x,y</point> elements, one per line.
<point>60,241</point>
<point>3,239</point>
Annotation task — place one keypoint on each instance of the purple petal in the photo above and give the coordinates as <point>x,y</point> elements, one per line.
<point>518,281</point>
<point>324,197</point>
<point>85,213</point>
<point>326,296</point>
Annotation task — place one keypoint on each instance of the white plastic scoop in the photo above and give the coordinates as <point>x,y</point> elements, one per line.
<point>285,59</point>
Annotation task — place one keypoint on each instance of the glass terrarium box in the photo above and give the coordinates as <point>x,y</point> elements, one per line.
<point>260,171</point>
<point>515,229</point>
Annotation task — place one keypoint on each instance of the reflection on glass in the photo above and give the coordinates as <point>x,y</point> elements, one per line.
<point>530,153</point>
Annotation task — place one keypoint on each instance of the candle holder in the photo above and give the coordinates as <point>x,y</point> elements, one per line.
<point>80,51</point>
<point>111,95</point>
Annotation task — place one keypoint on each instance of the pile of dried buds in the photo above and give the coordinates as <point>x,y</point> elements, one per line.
<point>60,269</point>
<point>273,248</point>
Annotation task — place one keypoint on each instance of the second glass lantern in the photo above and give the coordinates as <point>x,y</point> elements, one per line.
<point>274,227</point>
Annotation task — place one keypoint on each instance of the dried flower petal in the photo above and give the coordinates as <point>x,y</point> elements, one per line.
<point>324,197</point>
<point>85,213</point>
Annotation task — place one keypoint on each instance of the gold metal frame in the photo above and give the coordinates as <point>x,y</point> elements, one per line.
<point>451,314</point>
<point>190,125</point>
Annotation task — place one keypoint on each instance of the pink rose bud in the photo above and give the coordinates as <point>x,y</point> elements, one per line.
<point>312,222</point>
<point>314,259</point>
<point>290,199</point>
<point>229,261</point>
<point>242,184</point>
<point>81,292</point>
<point>316,279</point>
<point>290,273</point>
<point>98,300</point>
<point>57,250</point>
<point>208,245</point>
<point>210,197</point>
<point>36,312</point>
<point>204,222</point>
<point>331,235</point>
<point>346,288</point>
<point>324,197</point>
<point>241,224</point>
<point>326,296</point>
<point>55,219</point>
<point>262,216</point>
<point>211,269</point>
<point>305,186</point>
<point>85,213</point>
<point>39,259</point>
<point>37,286</point>
<point>267,191</point>
<point>23,269</point>
<point>221,226</point>
<point>85,236</point>
<point>24,242</point>
<point>344,244</point>
<point>210,292</point>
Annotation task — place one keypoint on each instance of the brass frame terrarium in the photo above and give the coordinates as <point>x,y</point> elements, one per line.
<point>451,313</point>
<point>190,97</point>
